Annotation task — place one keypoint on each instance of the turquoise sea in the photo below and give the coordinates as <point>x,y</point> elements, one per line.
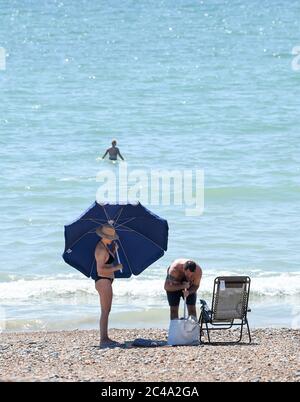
<point>180,84</point>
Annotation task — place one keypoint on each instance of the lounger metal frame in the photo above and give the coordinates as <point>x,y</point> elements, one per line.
<point>208,319</point>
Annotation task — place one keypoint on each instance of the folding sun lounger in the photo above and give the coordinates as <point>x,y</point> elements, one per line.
<point>229,307</point>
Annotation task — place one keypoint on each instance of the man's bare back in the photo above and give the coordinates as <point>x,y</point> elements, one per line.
<point>178,275</point>
<point>113,152</point>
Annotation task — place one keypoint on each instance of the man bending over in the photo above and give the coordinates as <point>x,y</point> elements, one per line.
<point>183,280</point>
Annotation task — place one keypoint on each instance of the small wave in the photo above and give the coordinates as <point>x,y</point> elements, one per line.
<point>4,277</point>
<point>77,179</point>
<point>77,287</point>
<point>38,288</point>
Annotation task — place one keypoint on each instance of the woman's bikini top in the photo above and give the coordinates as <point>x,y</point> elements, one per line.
<point>110,260</point>
<point>111,257</point>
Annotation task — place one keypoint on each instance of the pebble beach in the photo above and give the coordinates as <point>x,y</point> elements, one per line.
<point>71,356</point>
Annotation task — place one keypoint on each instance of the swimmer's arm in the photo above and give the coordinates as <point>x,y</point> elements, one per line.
<point>119,153</point>
<point>105,154</point>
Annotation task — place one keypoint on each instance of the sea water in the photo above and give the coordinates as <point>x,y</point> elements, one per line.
<point>208,85</point>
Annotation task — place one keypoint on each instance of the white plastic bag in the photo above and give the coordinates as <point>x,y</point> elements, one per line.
<point>184,331</point>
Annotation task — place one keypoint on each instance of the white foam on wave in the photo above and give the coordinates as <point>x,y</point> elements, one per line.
<point>38,288</point>
<point>76,286</point>
<point>77,179</point>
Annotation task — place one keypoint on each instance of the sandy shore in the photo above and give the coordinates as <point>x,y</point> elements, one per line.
<point>75,356</point>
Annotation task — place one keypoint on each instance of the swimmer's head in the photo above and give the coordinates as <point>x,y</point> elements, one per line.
<point>114,143</point>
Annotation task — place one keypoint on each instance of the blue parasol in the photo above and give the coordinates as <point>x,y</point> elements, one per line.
<point>143,238</point>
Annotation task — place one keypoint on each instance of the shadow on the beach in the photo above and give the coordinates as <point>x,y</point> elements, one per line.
<point>149,343</point>
<point>134,344</point>
<point>145,343</point>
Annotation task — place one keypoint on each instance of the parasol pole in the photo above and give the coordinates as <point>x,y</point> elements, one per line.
<point>118,259</point>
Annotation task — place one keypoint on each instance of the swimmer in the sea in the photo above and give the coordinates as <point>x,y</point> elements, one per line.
<point>113,152</point>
